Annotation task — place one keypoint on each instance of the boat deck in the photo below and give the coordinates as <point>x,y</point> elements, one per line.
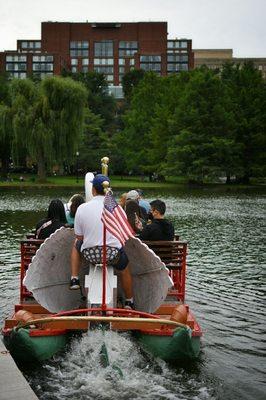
<point>36,311</point>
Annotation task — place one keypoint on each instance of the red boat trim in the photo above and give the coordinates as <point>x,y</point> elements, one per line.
<point>119,311</point>
<point>47,332</point>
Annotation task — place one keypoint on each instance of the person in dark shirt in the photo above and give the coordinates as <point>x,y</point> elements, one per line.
<point>160,228</point>
<point>56,218</point>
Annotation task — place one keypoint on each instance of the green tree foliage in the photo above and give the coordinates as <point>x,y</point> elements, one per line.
<point>24,95</point>
<point>6,128</point>
<point>48,119</point>
<point>98,99</point>
<point>102,122</point>
<point>94,143</point>
<point>136,140</point>
<point>130,80</point>
<point>173,87</point>
<point>203,130</point>
<point>248,93</point>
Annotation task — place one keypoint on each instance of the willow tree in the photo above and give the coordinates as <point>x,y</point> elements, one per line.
<point>52,122</point>
<point>6,130</point>
<point>24,95</point>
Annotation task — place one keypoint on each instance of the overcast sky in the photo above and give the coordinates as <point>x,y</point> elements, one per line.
<point>236,24</point>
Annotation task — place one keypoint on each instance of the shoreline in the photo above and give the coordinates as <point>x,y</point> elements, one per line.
<point>133,184</point>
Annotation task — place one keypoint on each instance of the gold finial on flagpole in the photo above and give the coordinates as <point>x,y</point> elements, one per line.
<point>105,161</point>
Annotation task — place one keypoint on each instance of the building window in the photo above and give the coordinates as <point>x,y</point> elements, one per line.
<point>74,69</point>
<point>79,49</point>
<point>85,68</point>
<point>104,69</point>
<point>31,45</point>
<point>74,61</point>
<point>20,75</point>
<point>85,61</point>
<point>177,44</point>
<point>16,67</point>
<point>151,67</point>
<point>79,45</point>
<point>43,65</point>
<point>128,45</point>
<point>103,48</point>
<point>128,48</point>
<point>121,61</point>
<point>109,78</point>
<point>116,91</point>
<point>16,58</point>
<point>150,62</point>
<point>177,67</point>
<point>176,57</point>
<point>150,58</point>
<point>43,58</point>
<point>103,61</point>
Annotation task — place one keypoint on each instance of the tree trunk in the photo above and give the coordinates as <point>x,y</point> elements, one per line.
<point>228,179</point>
<point>41,169</point>
<point>246,179</point>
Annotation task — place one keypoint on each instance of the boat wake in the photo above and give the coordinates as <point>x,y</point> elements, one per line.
<point>79,373</point>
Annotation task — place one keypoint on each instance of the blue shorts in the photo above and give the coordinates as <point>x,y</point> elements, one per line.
<point>119,264</point>
<point>122,261</point>
<point>78,244</point>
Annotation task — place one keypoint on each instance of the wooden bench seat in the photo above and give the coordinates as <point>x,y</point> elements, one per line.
<point>174,255</point>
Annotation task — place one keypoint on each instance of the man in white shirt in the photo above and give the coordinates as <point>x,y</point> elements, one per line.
<point>89,233</point>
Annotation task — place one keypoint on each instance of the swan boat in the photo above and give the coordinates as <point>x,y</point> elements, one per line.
<point>48,314</point>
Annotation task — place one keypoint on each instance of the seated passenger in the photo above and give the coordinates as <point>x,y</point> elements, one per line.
<point>122,200</point>
<point>136,215</point>
<point>71,207</point>
<point>160,228</point>
<point>56,218</point>
<point>89,233</point>
<point>143,203</point>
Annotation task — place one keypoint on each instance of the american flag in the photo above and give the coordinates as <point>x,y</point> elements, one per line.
<point>115,220</point>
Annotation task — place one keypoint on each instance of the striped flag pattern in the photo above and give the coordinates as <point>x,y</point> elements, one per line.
<point>115,220</point>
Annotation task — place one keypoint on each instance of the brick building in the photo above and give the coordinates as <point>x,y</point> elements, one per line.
<point>110,48</point>
<point>215,58</point>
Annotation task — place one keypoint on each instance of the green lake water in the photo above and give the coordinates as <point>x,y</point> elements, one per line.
<point>225,290</point>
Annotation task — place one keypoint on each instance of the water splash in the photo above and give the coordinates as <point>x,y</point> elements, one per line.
<point>78,374</point>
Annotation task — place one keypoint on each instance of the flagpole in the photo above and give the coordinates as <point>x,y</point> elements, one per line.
<point>104,269</point>
<point>104,162</point>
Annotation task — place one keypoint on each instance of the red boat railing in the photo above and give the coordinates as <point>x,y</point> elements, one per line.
<point>173,254</point>
<point>28,248</point>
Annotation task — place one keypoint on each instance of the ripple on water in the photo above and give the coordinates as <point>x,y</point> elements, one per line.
<point>225,289</point>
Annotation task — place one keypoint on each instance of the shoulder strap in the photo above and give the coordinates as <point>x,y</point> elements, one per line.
<point>42,227</point>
